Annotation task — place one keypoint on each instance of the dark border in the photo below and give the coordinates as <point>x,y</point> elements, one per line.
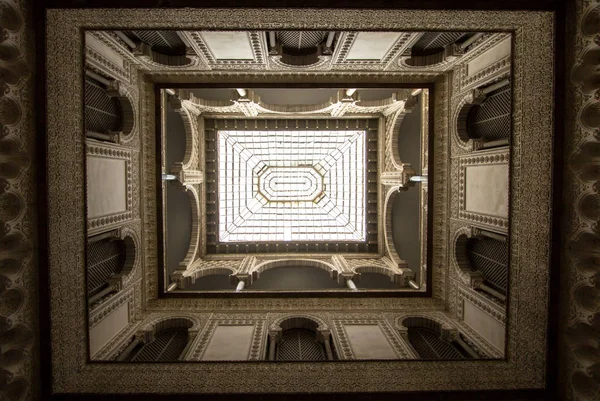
<point>296,294</point>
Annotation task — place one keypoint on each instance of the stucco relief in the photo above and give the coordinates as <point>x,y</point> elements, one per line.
<point>580,310</point>
<point>18,226</point>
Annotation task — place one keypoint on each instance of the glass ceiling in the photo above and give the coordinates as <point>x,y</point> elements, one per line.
<point>292,185</point>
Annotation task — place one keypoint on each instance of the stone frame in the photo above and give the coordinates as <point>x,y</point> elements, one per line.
<point>99,224</point>
<point>259,335</point>
<point>343,347</point>
<point>482,158</point>
<point>531,165</point>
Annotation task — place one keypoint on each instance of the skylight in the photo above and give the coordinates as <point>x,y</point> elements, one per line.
<point>283,186</point>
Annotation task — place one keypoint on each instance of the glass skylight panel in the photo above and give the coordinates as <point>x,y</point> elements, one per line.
<point>290,185</point>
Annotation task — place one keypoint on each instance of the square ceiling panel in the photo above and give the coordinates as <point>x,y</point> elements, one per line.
<point>372,45</point>
<point>292,185</point>
<point>228,45</point>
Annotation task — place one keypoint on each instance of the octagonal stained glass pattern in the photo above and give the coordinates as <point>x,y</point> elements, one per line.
<point>291,185</point>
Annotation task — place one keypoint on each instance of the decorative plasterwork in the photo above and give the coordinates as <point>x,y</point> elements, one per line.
<point>490,307</point>
<point>122,297</point>
<point>250,105</point>
<point>257,42</point>
<point>276,319</point>
<point>525,367</point>
<point>257,347</point>
<point>102,149</point>
<point>579,274</point>
<point>346,40</point>
<point>481,158</point>
<point>344,347</point>
<point>20,172</point>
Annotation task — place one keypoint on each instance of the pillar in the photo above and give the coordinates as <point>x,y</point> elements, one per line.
<point>273,336</point>
<point>489,290</point>
<point>325,335</point>
<point>125,354</point>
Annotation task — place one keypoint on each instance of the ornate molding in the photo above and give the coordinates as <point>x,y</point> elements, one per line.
<point>257,347</point>
<point>480,159</point>
<point>344,347</point>
<point>533,36</point>
<point>114,302</point>
<point>102,149</point>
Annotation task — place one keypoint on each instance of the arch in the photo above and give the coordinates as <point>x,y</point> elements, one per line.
<point>195,234</point>
<point>161,47</point>
<point>105,260</point>
<point>460,239</point>
<point>132,243</point>
<point>489,256</point>
<point>430,339</point>
<point>300,337</point>
<point>270,264</point>
<point>299,321</point>
<point>212,271</point>
<point>490,118</point>
<point>129,113</point>
<point>166,340</point>
<point>156,325</point>
<point>459,120</point>
<point>435,49</point>
<point>387,229</point>
<point>374,269</point>
<point>190,126</point>
<point>103,112</point>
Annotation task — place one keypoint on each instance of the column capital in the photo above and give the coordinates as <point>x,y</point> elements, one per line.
<point>183,282</point>
<point>247,278</point>
<point>399,178</point>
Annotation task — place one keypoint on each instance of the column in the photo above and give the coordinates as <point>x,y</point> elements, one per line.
<point>273,335</point>
<point>96,297</point>
<point>485,288</point>
<point>466,347</point>
<point>125,354</point>
<point>325,335</point>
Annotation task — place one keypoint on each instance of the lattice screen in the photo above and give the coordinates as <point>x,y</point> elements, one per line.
<point>429,345</point>
<point>300,39</point>
<point>490,257</point>
<point>102,112</point>
<point>166,42</point>
<point>433,42</point>
<point>491,120</point>
<point>167,346</point>
<point>104,258</point>
<point>299,345</point>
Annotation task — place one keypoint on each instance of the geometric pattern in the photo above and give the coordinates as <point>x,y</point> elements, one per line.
<point>291,185</point>
<point>299,345</point>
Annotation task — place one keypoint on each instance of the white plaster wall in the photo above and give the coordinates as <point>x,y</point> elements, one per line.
<point>487,190</point>
<point>106,186</point>
<point>229,343</point>
<point>229,45</point>
<point>369,342</point>
<point>109,327</point>
<point>489,57</point>
<point>371,45</point>
<point>488,327</point>
<point>106,51</point>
